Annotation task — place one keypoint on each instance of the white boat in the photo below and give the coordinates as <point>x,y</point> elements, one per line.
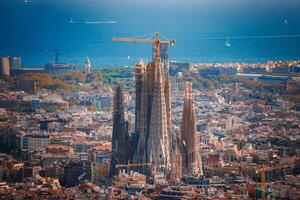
<point>128,57</point>
<point>285,21</point>
<point>227,44</point>
<point>71,21</point>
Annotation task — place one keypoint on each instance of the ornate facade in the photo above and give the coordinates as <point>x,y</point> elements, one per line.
<point>191,161</point>
<point>153,117</point>
<point>120,136</point>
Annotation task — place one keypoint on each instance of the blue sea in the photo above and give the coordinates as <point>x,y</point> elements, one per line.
<point>256,30</point>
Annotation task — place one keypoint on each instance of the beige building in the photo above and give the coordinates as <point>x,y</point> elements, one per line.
<point>38,142</point>
<point>34,142</point>
<point>4,66</point>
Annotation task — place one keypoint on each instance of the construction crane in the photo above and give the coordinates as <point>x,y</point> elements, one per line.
<point>262,172</point>
<point>156,43</point>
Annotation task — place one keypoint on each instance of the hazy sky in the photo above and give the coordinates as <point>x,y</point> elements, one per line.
<point>131,7</point>
<point>181,12</point>
<point>152,9</point>
<point>40,24</point>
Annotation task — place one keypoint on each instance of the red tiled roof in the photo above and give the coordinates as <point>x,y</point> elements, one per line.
<point>213,159</point>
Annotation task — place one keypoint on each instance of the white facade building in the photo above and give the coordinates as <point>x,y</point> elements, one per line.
<point>87,66</point>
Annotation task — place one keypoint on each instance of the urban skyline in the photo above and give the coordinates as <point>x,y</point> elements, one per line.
<point>205,106</point>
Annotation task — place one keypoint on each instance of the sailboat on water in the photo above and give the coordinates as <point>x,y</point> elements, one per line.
<point>71,21</point>
<point>227,44</point>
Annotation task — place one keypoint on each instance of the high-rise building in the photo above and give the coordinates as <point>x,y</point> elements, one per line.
<point>153,118</point>
<point>87,66</point>
<point>4,66</point>
<point>120,136</point>
<point>15,62</point>
<point>191,161</point>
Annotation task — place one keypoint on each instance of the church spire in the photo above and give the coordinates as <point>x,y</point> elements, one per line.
<point>120,136</point>
<point>191,157</point>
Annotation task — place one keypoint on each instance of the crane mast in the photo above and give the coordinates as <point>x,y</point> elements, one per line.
<point>262,171</point>
<point>156,42</point>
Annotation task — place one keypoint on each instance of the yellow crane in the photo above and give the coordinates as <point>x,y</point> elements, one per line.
<point>156,41</point>
<point>262,171</point>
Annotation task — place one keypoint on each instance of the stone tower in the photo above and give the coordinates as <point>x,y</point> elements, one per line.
<point>153,118</point>
<point>158,149</point>
<point>120,136</point>
<point>191,155</point>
